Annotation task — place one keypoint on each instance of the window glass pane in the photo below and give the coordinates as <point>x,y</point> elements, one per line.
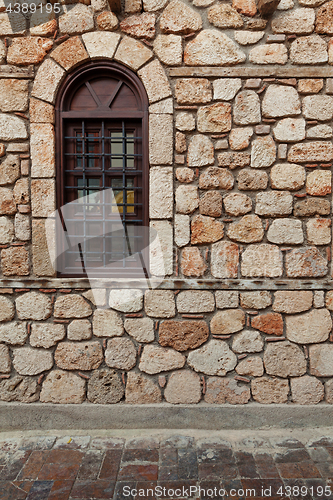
<point>129,150</point>
<point>117,186</point>
<point>116,150</point>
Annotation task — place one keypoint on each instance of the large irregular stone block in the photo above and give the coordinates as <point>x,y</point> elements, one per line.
<point>182,230</point>
<point>141,390</point>
<point>14,333</point>
<point>298,22</point>
<point>139,26</point>
<point>200,151</point>
<point>6,230</point>
<point>239,138</point>
<point>5,362</point>
<point>160,303</point>
<point>274,203</point>
<point>160,139</point>
<point>262,260</point>
<point>20,389</point>
<point>318,107</point>
<point>101,44</point>
<point>107,323</point>
<point>192,262</point>
<point>247,341</point>
<point>319,132</point>
<point>309,328</point>
<point>180,19</point>
<point>9,170</point>
<point>308,50</point>
<point>290,302</point>
<point>120,354</point>
<point>249,180</point>
<point>237,204</point>
<point>187,199</point>
<point>133,53</point>
<point>168,49</point>
<point>42,197</point>
<point>77,19</point>
<point>248,229</point>
<point>13,95</point>
<point>316,151</point>
<point>161,192</point>
<point>71,306</point>
<point>220,391</point>
<point>290,130</point>
<point>267,390</point>
<point>270,53</point>
<point>79,329</point>
<point>284,359</point>
<point>70,53</point>
<point>193,91</point>
<point>247,108</point>
<point>319,183</point>
<point>205,230</point>
<point>183,387</point>
<point>318,231</point>
<point>183,335</point>
<point>33,305</point>
<point>215,118</point>
<point>156,359</point>
<point>63,388</point>
<point>270,323</point>
<point>233,160</point>
<point>215,177</point>
<point>12,128</point>
<point>42,143</point>
<point>224,16</point>
<point>211,204</point>
<point>224,260</point>
<point>47,81</point>
<point>141,329</point>
<point>7,309</point>
<point>285,231</point>
<point>30,361</point>
<point>12,23</point>
<point>247,37</point>
<point>280,100</point>
<point>305,263</point>
<point>214,358</point>
<point>161,248</point>
<point>46,334</point>
<point>105,387</point>
<point>263,152</point>
<point>21,191</point>
<point>252,366</point>
<point>15,261</point>
<point>29,50</point>
<point>212,48</point>
<point>155,81</point>
<point>226,88</point>
<point>321,360</point>
<point>288,176</point>
<point>230,321</point>
<point>195,301</point>
<point>78,355</point>
<point>306,390</point>
<point>324,23</point>
<point>126,300</point>
<point>226,299</point>
<point>255,300</point>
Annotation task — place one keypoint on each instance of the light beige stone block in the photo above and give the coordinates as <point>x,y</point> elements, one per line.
<point>308,50</point>
<point>12,128</point>
<point>309,328</point>
<point>284,359</point>
<point>79,329</point>
<point>321,360</point>
<point>290,130</point>
<point>291,302</point>
<point>246,109</point>
<point>270,53</point>
<point>6,230</point>
<point>182,230</point>
<point>224,260</point>
<point>42,144</point>
<point>195,301</point>
<point>285,231</point>
<point>299,22</point>
<point>212,48</point>
<point>318,231</point>
<point>183,387</point>
<point>179,18</point>
<point>168,49</point>
<point>7,309</point>
<point>141,329</point>
<point>132,53</point>
<point>161,248</point>
<point>101,44</point>
<point>156,359</point>
<point>14,333</point>
<point>30,361</point>
<point>63,388</point>
<point>287,176</point>
<point>13,95</point>
<point>262,260</point>
<point>160,303</point>
<point>126,300</point>
<point>33,305</point>
<point>155,81</point>
<point>279,101</point>
<point>200,151</point>
<point>263,153</point>
<point>306,390</point>
<point>107,323</point>
<point>160,139</point>
<point>255,300</point>
<point>214,358</point>
<point>42,197</point>
<point>120,354</point>
<point>46,334</point>
<point>71,306</point>
<point>47,81</point>
<point>77,19</point>
<point>274,203</point>
<point>161,193</point>
<point>247,341</point>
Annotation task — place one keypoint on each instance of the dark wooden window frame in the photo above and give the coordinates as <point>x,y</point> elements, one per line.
<point>62,114</point>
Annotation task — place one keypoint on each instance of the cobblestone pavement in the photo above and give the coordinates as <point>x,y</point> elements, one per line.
<point>84,467</point>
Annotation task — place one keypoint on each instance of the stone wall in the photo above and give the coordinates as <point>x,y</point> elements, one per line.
<point>240,154</point>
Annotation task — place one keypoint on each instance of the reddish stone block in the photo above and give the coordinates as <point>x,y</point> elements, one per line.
<point>271,323</point>
<point>140,472</point>
<point>33,465</point>
<point>111,464</point>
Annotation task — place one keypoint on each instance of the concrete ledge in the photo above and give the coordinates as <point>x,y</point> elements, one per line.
<point>18,416</point>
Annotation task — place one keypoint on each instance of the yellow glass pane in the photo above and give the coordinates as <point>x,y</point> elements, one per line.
<point>119,199</point>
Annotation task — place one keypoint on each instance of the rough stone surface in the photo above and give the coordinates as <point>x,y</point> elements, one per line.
<point>318,231</point>
<point>141,390</point>
<point>215,177</point>
<point>41,112</point>
<point>246,7</point>
<point>7,229</point>
<point>101,44</point>
<point>224,260</point>
<point>153,5</point>
<point>271,53</point>
<point>274,203</point>
<point>329,300</point>
<point>15,261</point>
<point>319,132</point>
<point>183,387</point>
<point>187,199</point>
<point>42,197</point>
<point>215,118</point>
<point>290,130</point>
<point>248,37</point>
<point>13,95</point>
<point>237,204</point>
<point>211,204</point>
<point>219,391</point>
<point>161,192</point>
<point>329,391</point>
<point>266,390</point>
<point>247,108</point>
<point>182,230</point>
<point>79,329</point>
<point>279,101</point>
<point>43,23</point>
<point>200,151</point>
<point>287,176</point>
<point>13,23</point>
<point>224,16</point>
<point>284,359</point>
<point>310,85</point>
<point>321,360</point>
<point>178,18</point>
<point>194,301</point>
<point>193,91</point>
<point>184,174</point>
<point>311,152</point>
<point>168,49</point>
<point>324,22</point>
<point>226,88</point>
<point>160,303</point>
<point>183,335</point>
<point>14,333</point>
<point>185,121</point>
<point>192,262</point>
<point>126,300</point>
<point>290,302</point>
<point>77,19</point>
<point>262,260</point>
<point>263,152</point>
<point>132,52</point>
<point>226,299</point>
<point>252,366</point>
<point>255,300</point>
<point>107,323</point>
<point>120,354</point>
<point>249,180</point>
<point>155,81</point>
<point>30,361</point>
<point>285,231</point>
<point>311,206</point>
<point>306,390</point>
<point>42,150</point>
<point>12,128</point>
<point>248,229</point>
<point>139,26</point>
<point>233,160</point>
<point>78,355</point>
<point>205,230</point>
<point>310,327</point>
<point>141,329</point>
<point>214,358</point>
<point>21,191</point>
<point>212,48</point>
<point>239,138</point>
<point>319,183</point>
<point>70,53</point>
<point>107,21</point>
<point>7,309</point>
<point>299,22</point>
<point>40,257</point>
<point>63,388</point>
<point>305,262</point>
<point>21,389</point>
<point>247,341</point>
<point>46,335</point>
<point>225,322</point>
<point>318,107</point>
<point>308,50</point>
<point>28,50</point>
<point>105,387</point>
<point>270,323</point>
<point>156,359</point>
<point>160,139</point>
<point>71,306</point>
<point>5,362</point>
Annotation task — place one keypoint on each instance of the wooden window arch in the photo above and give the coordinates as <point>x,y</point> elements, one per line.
<point>101,143</point>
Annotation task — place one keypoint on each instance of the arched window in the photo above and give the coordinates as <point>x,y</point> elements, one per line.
<point>102,143</point>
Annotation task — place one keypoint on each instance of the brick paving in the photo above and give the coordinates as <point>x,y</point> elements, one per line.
<point>86,468</point>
